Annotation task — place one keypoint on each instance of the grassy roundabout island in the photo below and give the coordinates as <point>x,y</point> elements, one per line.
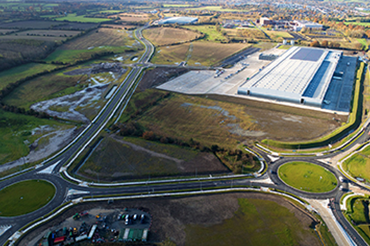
<point>307,177</point>
<point>25,197</point>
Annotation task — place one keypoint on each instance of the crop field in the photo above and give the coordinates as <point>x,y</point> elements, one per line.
<point>19,51</point>
<point>124,27</point>
<point>196,53</point>
<point>132,17</point>
<point>252,224</point>
<point>358,165</point>
<point>16,130</point>
<point>176,5</point>
<point>221,122</point>
<point>116,159</point>
<point>80,18</point>
<point>25,37</point>
<point>31,24</point>
<point>75,26</point>
<point>14,74</point>
<point>358,212</point>
<point>43,88</point>
<point>210,31</point>
<point>168,35</point>
<point>307,177</point>
<point>25,197</point>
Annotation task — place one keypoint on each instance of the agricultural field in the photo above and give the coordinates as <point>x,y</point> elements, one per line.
<point>18,51</point>
<point>80,18</point>
<point>211,121</point>
<point>119,26</point>
<point>17,131</point>
<point>215,8</point>
<point>167,35</point>
<point>20,72</point>
<point>43,35</point>
<point>196,53</point>
<point>358,165</point>
<point>95,42</point>
<point>133,17</point>
<point>307,177</point>
<point>25,197</point>
<point>211,32</point>
<point>31,24</point>
<point>358,214</point>
<point>6,31</point>
<point>133,158</point>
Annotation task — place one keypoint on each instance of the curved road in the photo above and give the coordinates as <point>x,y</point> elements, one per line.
<point>99,123</point>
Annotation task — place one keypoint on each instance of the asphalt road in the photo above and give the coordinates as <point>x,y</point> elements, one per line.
<point>62,185</point>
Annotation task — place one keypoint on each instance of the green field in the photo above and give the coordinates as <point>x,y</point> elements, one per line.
<point>307,177</point>
<point>196,53</point>
<point>358,212</point>
<point>80,18</point>
<point>210,31</point>
<point>25,197</point>
<point>175,5</point>
<point>358,165</point>
<point>14,74</point>
<point>357,23</point>
<point>256,222</point>
<point>277,34</point>
<point>16,130</point>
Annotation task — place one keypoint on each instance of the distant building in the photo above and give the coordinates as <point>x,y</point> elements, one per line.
<point>179,20</point>
<point>295,25</point>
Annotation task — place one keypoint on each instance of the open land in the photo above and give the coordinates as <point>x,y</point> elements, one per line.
<point>225,121</point>
<point>132,17</point>
<point>211,32</point>
<point>225,219</point>
<point>80,18</point>
<point>168,35</point>
<point>21,72</point>
<point>25,197</point>
<point>245,33</point>
<point>196,53</point>
<point>129,158</point>
<point>20,133</point>
<point>307,177</point>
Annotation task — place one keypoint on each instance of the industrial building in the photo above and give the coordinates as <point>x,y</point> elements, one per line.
<point>320,78</point>
<point>294,25</point>
<point>178,20</point>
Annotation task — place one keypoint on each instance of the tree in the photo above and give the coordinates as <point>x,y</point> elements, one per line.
<point>324,43</point>
<point>315,43</point>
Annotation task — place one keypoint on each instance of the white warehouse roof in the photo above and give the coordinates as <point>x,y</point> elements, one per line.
<point>300,75</point>
<point>178,20</point>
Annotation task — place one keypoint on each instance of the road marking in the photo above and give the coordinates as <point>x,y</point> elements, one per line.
<point>49,169</point>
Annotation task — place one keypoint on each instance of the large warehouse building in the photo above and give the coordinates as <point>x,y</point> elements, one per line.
<point>308,76</point>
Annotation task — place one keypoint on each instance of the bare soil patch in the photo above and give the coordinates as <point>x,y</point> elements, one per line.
<point>172,215</point>
<point>169,35</point>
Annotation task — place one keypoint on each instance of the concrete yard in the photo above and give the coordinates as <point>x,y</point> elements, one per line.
<point>204,82</point>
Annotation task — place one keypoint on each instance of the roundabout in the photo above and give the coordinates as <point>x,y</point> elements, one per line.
<point>25,197</point>
<point>307,177</point>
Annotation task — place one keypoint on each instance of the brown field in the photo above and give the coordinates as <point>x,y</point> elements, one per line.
<point>132,17</point>
<point>249,33</point>
<point>125,27</point>
<point>226,121</point>
<point>168,35</point>
<point>180,221</point>
<point>75,26</point>
<point>130,158</point>
<point>201,53</point>
<point>40,38</point>
<point>101,37</point>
